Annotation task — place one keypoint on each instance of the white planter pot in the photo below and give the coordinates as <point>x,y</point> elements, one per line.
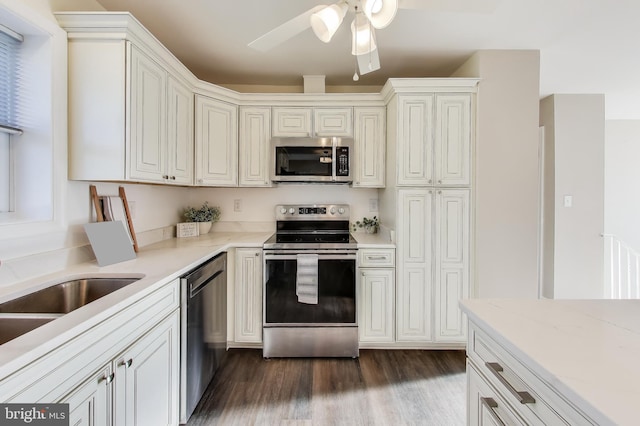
<point>204,227</point>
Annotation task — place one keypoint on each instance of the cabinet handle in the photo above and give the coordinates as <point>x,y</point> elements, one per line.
<point>257,254</point>
<point>523,397</point>
<point>107,378</point>
<point>376,257</point>
<point>439,181</point>
<point>430,181</point>
<point>439,192</point>
<point>172,178</point>
<point>165,176</point>
<point>127,363</point>
<point>491,405</point>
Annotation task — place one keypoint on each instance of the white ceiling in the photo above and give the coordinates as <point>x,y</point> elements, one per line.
<point>586,46</point>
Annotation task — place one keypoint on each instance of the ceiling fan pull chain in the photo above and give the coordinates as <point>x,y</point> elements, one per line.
<point>356,77</point>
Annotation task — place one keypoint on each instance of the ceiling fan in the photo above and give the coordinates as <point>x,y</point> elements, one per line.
<point>369,15</point>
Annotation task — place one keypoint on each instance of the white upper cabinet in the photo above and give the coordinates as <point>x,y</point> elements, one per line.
<point>333,122</point>
<point>179,133</point>
<point>148,149</point>
<point>415,140</point>
<point>292,122</point>
<point>370,147</point>
<point>216,142</point>
<point>434,139</point>
<point>453,139</point>
<point>302,122</point>
<point>130,114</point>
<point>254,152</point>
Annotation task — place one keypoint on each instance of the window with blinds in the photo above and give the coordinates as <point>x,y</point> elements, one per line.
<point>10,72</point>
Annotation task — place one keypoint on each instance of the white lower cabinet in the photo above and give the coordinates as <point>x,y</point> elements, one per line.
<point>433,264</point>
<point>135,388</point>
<point>122,371</point>
<point>248,296</point>
<point>376,297</point>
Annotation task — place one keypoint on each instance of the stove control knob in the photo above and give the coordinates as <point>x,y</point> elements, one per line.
<point>283,210</point>
<point>292,210</point>
<point>333,210</point>
<point>341,210</point>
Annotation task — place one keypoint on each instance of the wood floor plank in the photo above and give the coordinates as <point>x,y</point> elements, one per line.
<point>381,387</point>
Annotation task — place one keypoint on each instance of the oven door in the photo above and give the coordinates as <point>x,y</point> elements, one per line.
<point>336,290</point>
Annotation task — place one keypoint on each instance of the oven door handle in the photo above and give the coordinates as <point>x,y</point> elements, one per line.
<point>332,256</point>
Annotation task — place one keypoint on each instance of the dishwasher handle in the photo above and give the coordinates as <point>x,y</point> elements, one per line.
<point>195,289</point>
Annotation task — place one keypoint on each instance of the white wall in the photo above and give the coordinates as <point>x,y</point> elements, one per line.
<point>506,181</point>
<point>622,181</point>
<point>577,138</point>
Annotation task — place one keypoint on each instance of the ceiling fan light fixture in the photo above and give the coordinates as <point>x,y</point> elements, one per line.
<point>363,38</point>
<point>380,12</point>
<point>325,22</point>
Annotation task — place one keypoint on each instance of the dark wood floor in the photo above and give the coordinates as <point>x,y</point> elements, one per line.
<point>393,387</point>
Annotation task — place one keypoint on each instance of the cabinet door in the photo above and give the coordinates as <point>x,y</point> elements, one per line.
<point>333,122</point>
<point>415,140</point>
<point>216,143</point>
<point>414,285</point>
<point>90,403</point>
<point>453,140</point>
<point>248,295</point>
<point>292,122</point>
<point>147,377</point>
<point>254,154</point>
<point>180,133</point>
<point>370,146</point>
<point>147,147</point>
<point>485,406</point>
<point>376,305</point>
<point>452,263</point>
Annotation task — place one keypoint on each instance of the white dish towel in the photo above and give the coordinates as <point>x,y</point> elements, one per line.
<point>307,278</point>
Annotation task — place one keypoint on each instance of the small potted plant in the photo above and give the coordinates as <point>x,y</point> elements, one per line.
<point>205,216</point>
<point>370,225</point>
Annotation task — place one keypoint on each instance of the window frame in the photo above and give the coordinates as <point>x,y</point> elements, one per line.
<point>39,193</point>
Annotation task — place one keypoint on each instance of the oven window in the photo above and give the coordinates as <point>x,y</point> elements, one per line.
<point>336,293</point>
<point>303,161</point>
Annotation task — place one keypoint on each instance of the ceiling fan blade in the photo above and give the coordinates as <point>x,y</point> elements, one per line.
<point>463,6</point>
<point>285,31</point>
<point>368,62</point>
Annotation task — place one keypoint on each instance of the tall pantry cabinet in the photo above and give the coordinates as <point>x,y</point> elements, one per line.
<point>427,202</point>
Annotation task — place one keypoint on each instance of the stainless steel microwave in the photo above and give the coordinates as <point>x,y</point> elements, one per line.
<point>312,159</point>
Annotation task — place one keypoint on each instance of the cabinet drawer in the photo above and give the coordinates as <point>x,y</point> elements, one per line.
<point>535,401</point>
<point>486,405</point>
<point>373,258</point>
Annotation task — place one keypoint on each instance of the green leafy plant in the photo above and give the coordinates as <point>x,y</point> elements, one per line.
<point>206,213</point>
<point>370,225</point>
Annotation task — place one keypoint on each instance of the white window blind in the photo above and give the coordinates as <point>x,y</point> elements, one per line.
<point>10,80</point>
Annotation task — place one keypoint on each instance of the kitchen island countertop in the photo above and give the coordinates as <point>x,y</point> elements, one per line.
<point>588,351</point>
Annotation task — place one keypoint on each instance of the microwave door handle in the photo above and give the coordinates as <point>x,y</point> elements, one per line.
<point>334,172</point>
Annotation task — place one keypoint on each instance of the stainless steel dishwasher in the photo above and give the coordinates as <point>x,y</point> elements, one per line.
<point>203,337</point>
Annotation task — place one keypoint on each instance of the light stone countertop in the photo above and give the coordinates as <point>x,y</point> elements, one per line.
<point>587,350</point>
<point>157,264</point>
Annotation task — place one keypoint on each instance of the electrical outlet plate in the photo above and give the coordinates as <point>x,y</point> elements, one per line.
<point>237,205</point>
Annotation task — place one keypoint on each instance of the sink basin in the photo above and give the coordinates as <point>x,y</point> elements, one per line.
<point>12,327</point>
<point>65,297</point>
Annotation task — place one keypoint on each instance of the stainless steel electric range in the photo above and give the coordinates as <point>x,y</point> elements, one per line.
<point>309,303</point>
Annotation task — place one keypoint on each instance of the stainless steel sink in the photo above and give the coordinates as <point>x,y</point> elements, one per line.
<point>65,297</point>
<point>15,326</point>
